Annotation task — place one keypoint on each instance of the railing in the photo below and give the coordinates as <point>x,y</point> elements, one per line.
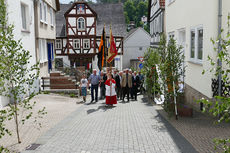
<point>71,71</point>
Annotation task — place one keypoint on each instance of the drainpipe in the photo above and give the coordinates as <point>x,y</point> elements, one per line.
<point>219,45</point>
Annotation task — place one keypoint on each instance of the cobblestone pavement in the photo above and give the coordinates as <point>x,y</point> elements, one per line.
<point>57,108</point>
<point>199,130</point>
<point>133,127</point>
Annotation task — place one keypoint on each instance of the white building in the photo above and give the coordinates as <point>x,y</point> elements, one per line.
<point>156,18</point>
<point>21,15</point>
<point>193,24</point>
<point>45,30</point>
<point>136,44</point>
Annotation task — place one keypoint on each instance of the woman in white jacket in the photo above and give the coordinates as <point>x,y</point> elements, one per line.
<point>111,96</point>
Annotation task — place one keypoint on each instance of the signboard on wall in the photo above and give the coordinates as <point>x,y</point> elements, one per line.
<point>80,9</point>
<point>117,59</point>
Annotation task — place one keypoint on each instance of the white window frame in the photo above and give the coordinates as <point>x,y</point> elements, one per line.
<point>58,45</point>
<point>80,28</point>
<point>43,50</point>
<point>200,28</point>
<point>51,17</point>
<point>26,17</point>
<point>195,59</point>
<point>41,10</point>
<point>45,12</point>
<point>76,43</point>
<point>86,42</point>
<point>40,50</point>
<point>190,50</point>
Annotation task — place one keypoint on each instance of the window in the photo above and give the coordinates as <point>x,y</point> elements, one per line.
<point>24,15</point>
<point>200,44</point>
<point>76,44</point>
<point>41,13</point>
<point>81,24</point>
<point>45,11</point>
<point>196,48</point>
<point>58,44</point>
<point>192,51</point>
<point>51,17</point>
<point>140,48</point>
<point>86,44</point>
<point>43,50</point>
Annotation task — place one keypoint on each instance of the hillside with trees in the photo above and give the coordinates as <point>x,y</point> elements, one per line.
<point>134,10</point>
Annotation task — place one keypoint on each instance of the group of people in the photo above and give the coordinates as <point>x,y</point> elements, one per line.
<point>114,85</point>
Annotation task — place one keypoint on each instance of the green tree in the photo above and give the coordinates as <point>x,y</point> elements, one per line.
<point>151,60</point>
<point>170,71</point>
<point>17,77</point>
<point>130,11</point>
<point>220,106</point>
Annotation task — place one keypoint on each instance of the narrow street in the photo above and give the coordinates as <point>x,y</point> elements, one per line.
<point>127,127</point>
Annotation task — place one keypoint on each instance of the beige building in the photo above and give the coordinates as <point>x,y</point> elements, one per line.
<point>193,24</point>
<point>45,32</point>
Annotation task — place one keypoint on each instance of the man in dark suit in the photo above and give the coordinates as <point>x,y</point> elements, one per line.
<point>118,79</point>
<point>136,82</point>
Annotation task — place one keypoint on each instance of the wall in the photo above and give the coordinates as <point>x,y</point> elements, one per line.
<point>45,30</point>
<point>132,45</point>
<point>188,14</point>
<point>27,37</point>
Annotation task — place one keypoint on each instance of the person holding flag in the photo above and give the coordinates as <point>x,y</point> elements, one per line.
<point>112,52</point>
<point>102,50</point>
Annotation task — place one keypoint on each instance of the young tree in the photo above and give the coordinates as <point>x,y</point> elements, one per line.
<point>220,107</point>
<point>171,70</point>
<point>17,77</point>
<point>151,59</point>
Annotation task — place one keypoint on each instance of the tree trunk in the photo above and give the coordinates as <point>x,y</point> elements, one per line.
<point>16,121</point>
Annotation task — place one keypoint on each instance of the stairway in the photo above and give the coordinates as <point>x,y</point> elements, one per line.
<point>59,80</point>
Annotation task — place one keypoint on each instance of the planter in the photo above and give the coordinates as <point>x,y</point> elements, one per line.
<point>185,111</point>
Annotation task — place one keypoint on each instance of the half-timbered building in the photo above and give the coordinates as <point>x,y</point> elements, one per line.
<point>79,30</point>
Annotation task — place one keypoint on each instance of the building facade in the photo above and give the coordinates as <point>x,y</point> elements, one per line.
<point>136,44</point>
<point>156,18</point>
<point>79,30</point>
<point>45,31</point>
<point>21,15</point>
<point>192,24</point>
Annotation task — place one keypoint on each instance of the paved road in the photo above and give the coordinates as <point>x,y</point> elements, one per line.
<point>127,128</point>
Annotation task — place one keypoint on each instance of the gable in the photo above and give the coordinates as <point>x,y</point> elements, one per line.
<point>80,9</point>
<point>138,38</point>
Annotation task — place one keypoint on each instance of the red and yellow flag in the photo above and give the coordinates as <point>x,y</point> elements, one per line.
<point>101,50</point>
<point>112,52</point>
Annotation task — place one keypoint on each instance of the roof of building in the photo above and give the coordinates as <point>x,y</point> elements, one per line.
<point>131,32</point>
<point>106,14</point>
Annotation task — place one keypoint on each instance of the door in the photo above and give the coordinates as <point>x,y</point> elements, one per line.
<point>50,56</point>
